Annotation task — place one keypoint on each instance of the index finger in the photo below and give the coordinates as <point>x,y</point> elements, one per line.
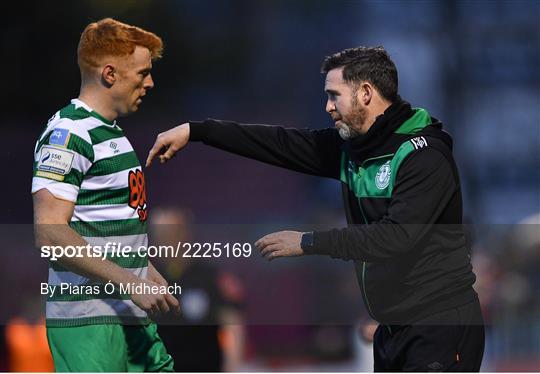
<point>264,241</point>
<point>153,152</point>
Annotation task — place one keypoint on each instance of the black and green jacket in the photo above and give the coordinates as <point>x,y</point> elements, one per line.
<point>402,199</point>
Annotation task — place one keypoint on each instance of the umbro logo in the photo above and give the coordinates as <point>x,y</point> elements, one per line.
<point>114,147</point>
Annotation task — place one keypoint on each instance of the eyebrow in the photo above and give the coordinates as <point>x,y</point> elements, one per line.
<point>330,91</point>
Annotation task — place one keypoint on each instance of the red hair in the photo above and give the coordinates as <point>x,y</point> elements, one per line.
<point>109,37</point>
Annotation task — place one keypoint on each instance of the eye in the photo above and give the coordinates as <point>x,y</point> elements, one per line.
<point>332,95</point>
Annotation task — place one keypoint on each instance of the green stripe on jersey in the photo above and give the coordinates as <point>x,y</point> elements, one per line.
<point>75,177</point>
<point>80,146</point>
<point>103,133</point>
<point>109,228</point>
<point>73,113</point>
<point>114,164</point>
<point>103,197</point>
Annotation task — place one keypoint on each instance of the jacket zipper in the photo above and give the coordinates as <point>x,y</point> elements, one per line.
<point>364,272</point>
<point>363,262</point>
<point>366,300</point>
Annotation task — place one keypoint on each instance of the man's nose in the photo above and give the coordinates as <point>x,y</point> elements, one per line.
<point>149,83</point>
<point>330,106</point>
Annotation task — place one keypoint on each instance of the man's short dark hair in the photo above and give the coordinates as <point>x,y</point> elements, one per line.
<point>371,64</point>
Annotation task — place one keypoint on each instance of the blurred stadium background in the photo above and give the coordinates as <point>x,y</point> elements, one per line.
<point>472,64</point>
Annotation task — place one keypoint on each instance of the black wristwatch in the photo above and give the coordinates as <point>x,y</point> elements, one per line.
<point>307,242</point>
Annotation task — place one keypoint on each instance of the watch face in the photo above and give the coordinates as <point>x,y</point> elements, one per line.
<point>307,240</point>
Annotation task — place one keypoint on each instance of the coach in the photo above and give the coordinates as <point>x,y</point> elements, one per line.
<point>403,204</point>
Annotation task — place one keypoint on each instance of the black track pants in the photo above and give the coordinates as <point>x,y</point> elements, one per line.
<point>452,340</point>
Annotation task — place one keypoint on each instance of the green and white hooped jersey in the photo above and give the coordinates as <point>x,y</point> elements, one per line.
<point>83,158</point>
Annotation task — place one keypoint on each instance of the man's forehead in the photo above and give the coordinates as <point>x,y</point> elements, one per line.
<point>140,58</point>
<point>334,78</point>
<point>142,54</point>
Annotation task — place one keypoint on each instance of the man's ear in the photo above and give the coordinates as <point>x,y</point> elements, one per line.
<point>108,75</point>
<point>365,93</point>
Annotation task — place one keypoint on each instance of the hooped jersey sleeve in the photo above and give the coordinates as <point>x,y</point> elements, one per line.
<point>62,156</point>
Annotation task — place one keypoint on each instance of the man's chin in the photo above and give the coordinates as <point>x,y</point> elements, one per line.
<point>133,109</point>
<point>344,132</point>
<point>129,111</point>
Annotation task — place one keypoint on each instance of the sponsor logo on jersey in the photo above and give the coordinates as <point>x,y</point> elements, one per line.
<point>137,193</point>
<point>382,179</point>
<point>54,161</point>
<point>419,142</point>
<point>59,137</point>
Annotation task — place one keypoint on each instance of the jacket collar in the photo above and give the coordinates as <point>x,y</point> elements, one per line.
<point>375,140</point>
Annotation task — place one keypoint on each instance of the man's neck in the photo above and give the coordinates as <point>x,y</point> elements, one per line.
<point>99,103</point>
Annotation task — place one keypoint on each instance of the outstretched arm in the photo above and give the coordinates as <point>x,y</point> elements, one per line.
<point>315,152</point>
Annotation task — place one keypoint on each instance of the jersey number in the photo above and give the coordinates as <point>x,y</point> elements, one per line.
<point>137,193</point>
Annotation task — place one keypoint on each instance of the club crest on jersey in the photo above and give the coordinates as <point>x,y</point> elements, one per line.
<point>137,193</point>
<point>419,142</point>
<point>382,179</point>
<point>59,137</point>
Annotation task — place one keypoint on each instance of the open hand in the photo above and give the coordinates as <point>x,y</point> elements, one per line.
<point>280,244</point>
<point>155,303</point>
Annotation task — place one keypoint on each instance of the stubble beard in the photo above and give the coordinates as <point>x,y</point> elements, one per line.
<point>353,122</point>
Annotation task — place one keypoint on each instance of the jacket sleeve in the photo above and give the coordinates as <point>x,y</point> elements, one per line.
<point>424,187</point>
<point>315,152</point>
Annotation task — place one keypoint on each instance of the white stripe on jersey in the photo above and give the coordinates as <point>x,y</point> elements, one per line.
<point>93,213</point>
<point>64,191</point>
<point>58,277</point>
<point>105,149</point>
<point>93,308</point>
<point>107,182</point>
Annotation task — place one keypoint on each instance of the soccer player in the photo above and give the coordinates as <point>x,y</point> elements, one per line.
<point>88,188</point>
<point>403,202</point>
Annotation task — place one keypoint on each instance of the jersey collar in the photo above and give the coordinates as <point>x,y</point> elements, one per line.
<point>81,104</point>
